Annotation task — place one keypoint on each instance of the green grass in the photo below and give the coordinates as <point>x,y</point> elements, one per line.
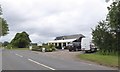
<point>18,48</point>
<point>106,60</point>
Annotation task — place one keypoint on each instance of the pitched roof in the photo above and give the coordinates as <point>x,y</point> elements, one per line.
<point>76,36</point>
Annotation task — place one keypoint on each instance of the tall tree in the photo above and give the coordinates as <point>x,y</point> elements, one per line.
<point>0,10</point>
<point>0,21</point>
<point>21,40</point>
<point>102,38</point>
<point>113,19</point>
<point>3,25</point>
<point>5,28</point>
<point>107,33</point>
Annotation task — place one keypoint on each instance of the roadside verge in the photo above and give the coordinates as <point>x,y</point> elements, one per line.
<point>106,60</point>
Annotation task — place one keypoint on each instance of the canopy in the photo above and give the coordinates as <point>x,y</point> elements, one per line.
<point>61,41</point>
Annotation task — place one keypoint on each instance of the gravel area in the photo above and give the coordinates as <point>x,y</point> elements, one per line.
<point>62,54</point>
<point>65,54</point>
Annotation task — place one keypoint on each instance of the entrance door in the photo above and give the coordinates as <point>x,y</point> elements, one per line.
<point>60,46</point>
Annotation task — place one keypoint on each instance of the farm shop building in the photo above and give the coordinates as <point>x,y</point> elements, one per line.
<point>63,41</point>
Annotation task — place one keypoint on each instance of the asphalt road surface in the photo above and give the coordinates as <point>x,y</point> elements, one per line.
<point>28,60</point>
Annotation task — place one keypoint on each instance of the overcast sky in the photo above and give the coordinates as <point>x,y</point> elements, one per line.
<point>44,20</point>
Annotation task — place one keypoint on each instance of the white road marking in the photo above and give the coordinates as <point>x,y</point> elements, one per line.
<point>90,64</point>
<point>18,55</point>
<point>41,64</point>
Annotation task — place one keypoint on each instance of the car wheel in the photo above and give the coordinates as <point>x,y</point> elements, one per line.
<point>70,50</point>
<point>74,49</point>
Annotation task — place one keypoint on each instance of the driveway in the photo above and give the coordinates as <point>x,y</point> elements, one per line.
<point>62,54</point>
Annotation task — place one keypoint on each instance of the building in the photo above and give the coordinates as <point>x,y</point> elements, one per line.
<point>63,41</point>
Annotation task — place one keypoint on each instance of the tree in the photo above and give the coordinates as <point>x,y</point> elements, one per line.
<point>3,25</point>
<point>113,19</point>
<point>112,0</point>
<point>0,10</point>
<point>106,35</point>
<point>21,40</point>
<point>5,43</point>
<point>103,39</point>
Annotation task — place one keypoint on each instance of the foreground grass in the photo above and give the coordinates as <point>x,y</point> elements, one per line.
<point>106,60</point>
<point>18,48</point>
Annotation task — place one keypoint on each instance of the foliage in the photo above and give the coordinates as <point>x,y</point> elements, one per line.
<point>9,46</point>
<point>107,33</point>
<point>49,47</point>
<point>0,10</point>
<point>3,25</point>
<point>21,40</point>
<point>5,43</point>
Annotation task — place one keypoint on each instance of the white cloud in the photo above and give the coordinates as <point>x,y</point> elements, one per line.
<point>46,19</point>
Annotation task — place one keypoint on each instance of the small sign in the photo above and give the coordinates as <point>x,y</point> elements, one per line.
<point>30,47</point>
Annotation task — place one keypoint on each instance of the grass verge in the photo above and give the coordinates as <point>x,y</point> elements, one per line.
<point>106,60</point>
<point>18,48</point>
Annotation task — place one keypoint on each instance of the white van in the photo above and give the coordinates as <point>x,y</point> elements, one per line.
<point>87,45</point>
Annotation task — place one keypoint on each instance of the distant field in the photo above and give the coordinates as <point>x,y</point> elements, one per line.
<point>106,60</point>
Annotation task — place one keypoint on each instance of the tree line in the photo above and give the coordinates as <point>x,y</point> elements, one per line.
<point>106,35</point>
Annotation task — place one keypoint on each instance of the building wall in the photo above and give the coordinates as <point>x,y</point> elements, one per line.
<point>60,44</point>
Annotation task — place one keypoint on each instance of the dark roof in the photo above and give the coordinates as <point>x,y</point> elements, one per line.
<point>33,43</point>
<point>77,36</point>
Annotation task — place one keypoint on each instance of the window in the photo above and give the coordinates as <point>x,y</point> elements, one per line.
<point>64,44</point>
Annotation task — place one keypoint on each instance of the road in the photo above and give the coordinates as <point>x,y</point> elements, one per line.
<point>29,60</point>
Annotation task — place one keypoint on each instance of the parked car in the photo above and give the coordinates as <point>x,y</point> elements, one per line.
<point>74,46</point>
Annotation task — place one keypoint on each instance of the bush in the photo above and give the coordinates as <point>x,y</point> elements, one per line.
<point>49,48</point>
<point>9,46</point>
<point>36,48</point>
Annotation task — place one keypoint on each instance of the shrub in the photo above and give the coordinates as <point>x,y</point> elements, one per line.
<point>49,48</point>
<point>9,46</point>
